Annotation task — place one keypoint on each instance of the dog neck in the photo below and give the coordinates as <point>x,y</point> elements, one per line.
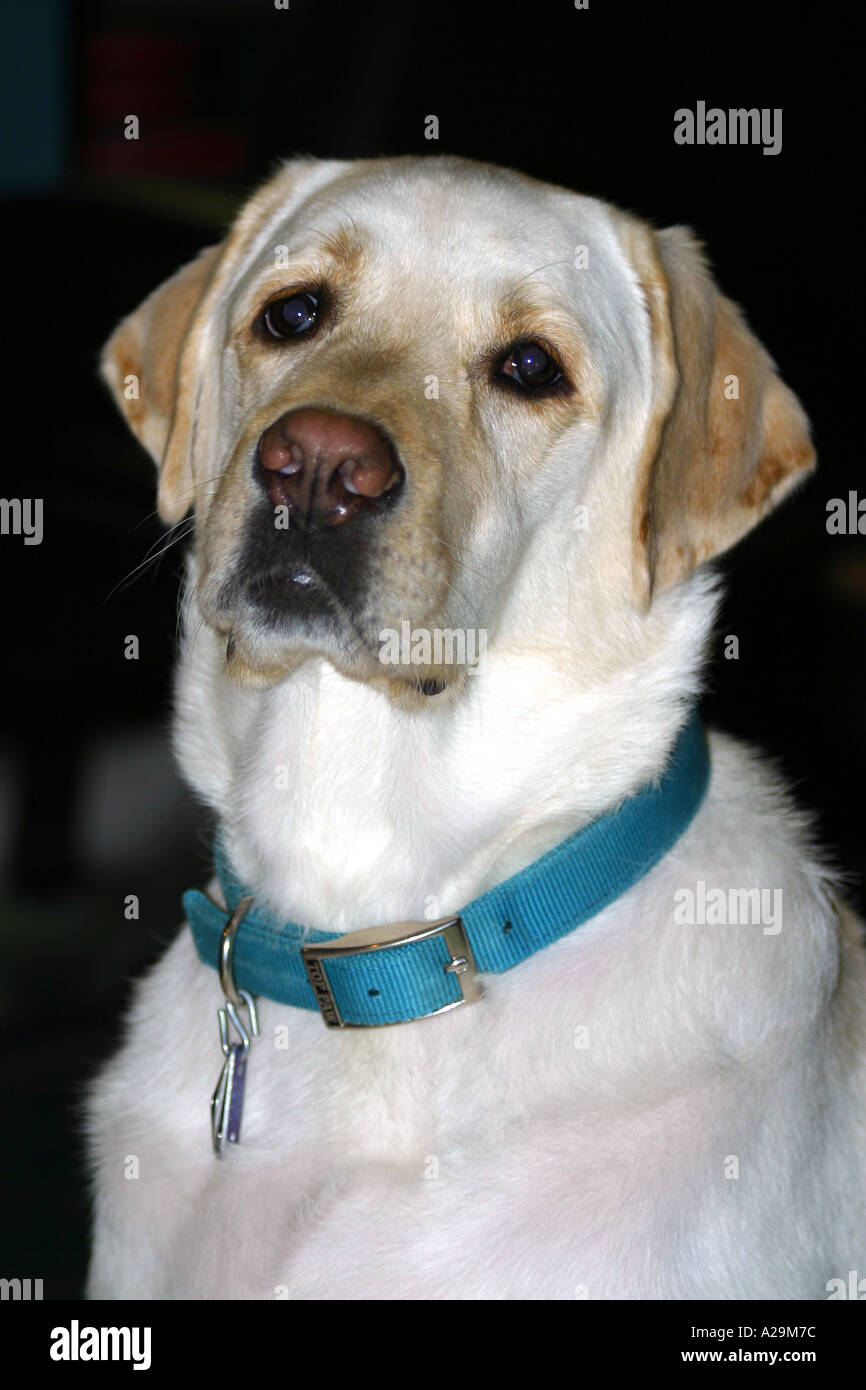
<point>342,809</point>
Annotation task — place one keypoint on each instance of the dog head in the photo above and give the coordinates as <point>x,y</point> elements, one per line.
<point>431,393</point>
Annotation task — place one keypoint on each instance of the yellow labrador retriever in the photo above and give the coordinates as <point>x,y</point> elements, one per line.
<point>509,985</point>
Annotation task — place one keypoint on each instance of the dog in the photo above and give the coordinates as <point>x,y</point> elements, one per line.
<point>409,396</point>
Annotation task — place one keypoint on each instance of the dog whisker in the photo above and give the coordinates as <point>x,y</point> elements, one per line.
<point>172,538</point>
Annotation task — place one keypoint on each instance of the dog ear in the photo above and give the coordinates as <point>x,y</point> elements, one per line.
<point>727,438</point>
<point>161,362</point>
<point>141,362</point>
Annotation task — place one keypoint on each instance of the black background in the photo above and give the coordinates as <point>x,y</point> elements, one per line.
<point>582,98</point>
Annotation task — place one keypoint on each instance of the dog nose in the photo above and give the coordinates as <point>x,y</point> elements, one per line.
<point>326,466</point>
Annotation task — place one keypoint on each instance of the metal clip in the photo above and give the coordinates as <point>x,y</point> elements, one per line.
<point>227,1101</point>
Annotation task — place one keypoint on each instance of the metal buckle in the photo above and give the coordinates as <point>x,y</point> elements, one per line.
<point>461,964</point>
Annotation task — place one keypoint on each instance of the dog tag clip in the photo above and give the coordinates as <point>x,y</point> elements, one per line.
<point>228,1098</point>
<point>227,1101</point>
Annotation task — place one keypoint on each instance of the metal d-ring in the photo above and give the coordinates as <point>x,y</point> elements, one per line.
<point>225,963</point>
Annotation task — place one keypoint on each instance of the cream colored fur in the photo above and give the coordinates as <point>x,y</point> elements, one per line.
<point>645,1109</point>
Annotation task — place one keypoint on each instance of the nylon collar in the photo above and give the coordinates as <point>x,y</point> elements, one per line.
<point>411,970</point>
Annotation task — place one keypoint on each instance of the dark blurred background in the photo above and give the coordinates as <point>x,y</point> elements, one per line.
<point>91,809</point>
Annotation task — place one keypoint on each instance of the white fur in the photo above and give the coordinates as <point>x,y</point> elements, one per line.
<point>484,1154</point>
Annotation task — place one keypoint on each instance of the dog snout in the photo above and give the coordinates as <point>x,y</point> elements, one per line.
<point>327,467</point>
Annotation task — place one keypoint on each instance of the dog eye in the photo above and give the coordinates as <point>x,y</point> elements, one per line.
<point>530,365</point>
<point>287,318</point>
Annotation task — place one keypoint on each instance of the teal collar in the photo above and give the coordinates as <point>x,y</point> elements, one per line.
<point>412,970</point>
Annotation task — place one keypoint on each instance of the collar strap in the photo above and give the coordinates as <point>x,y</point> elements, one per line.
<point>411,970</point>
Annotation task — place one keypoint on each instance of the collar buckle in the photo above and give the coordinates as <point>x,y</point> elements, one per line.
<point>461,963</point>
